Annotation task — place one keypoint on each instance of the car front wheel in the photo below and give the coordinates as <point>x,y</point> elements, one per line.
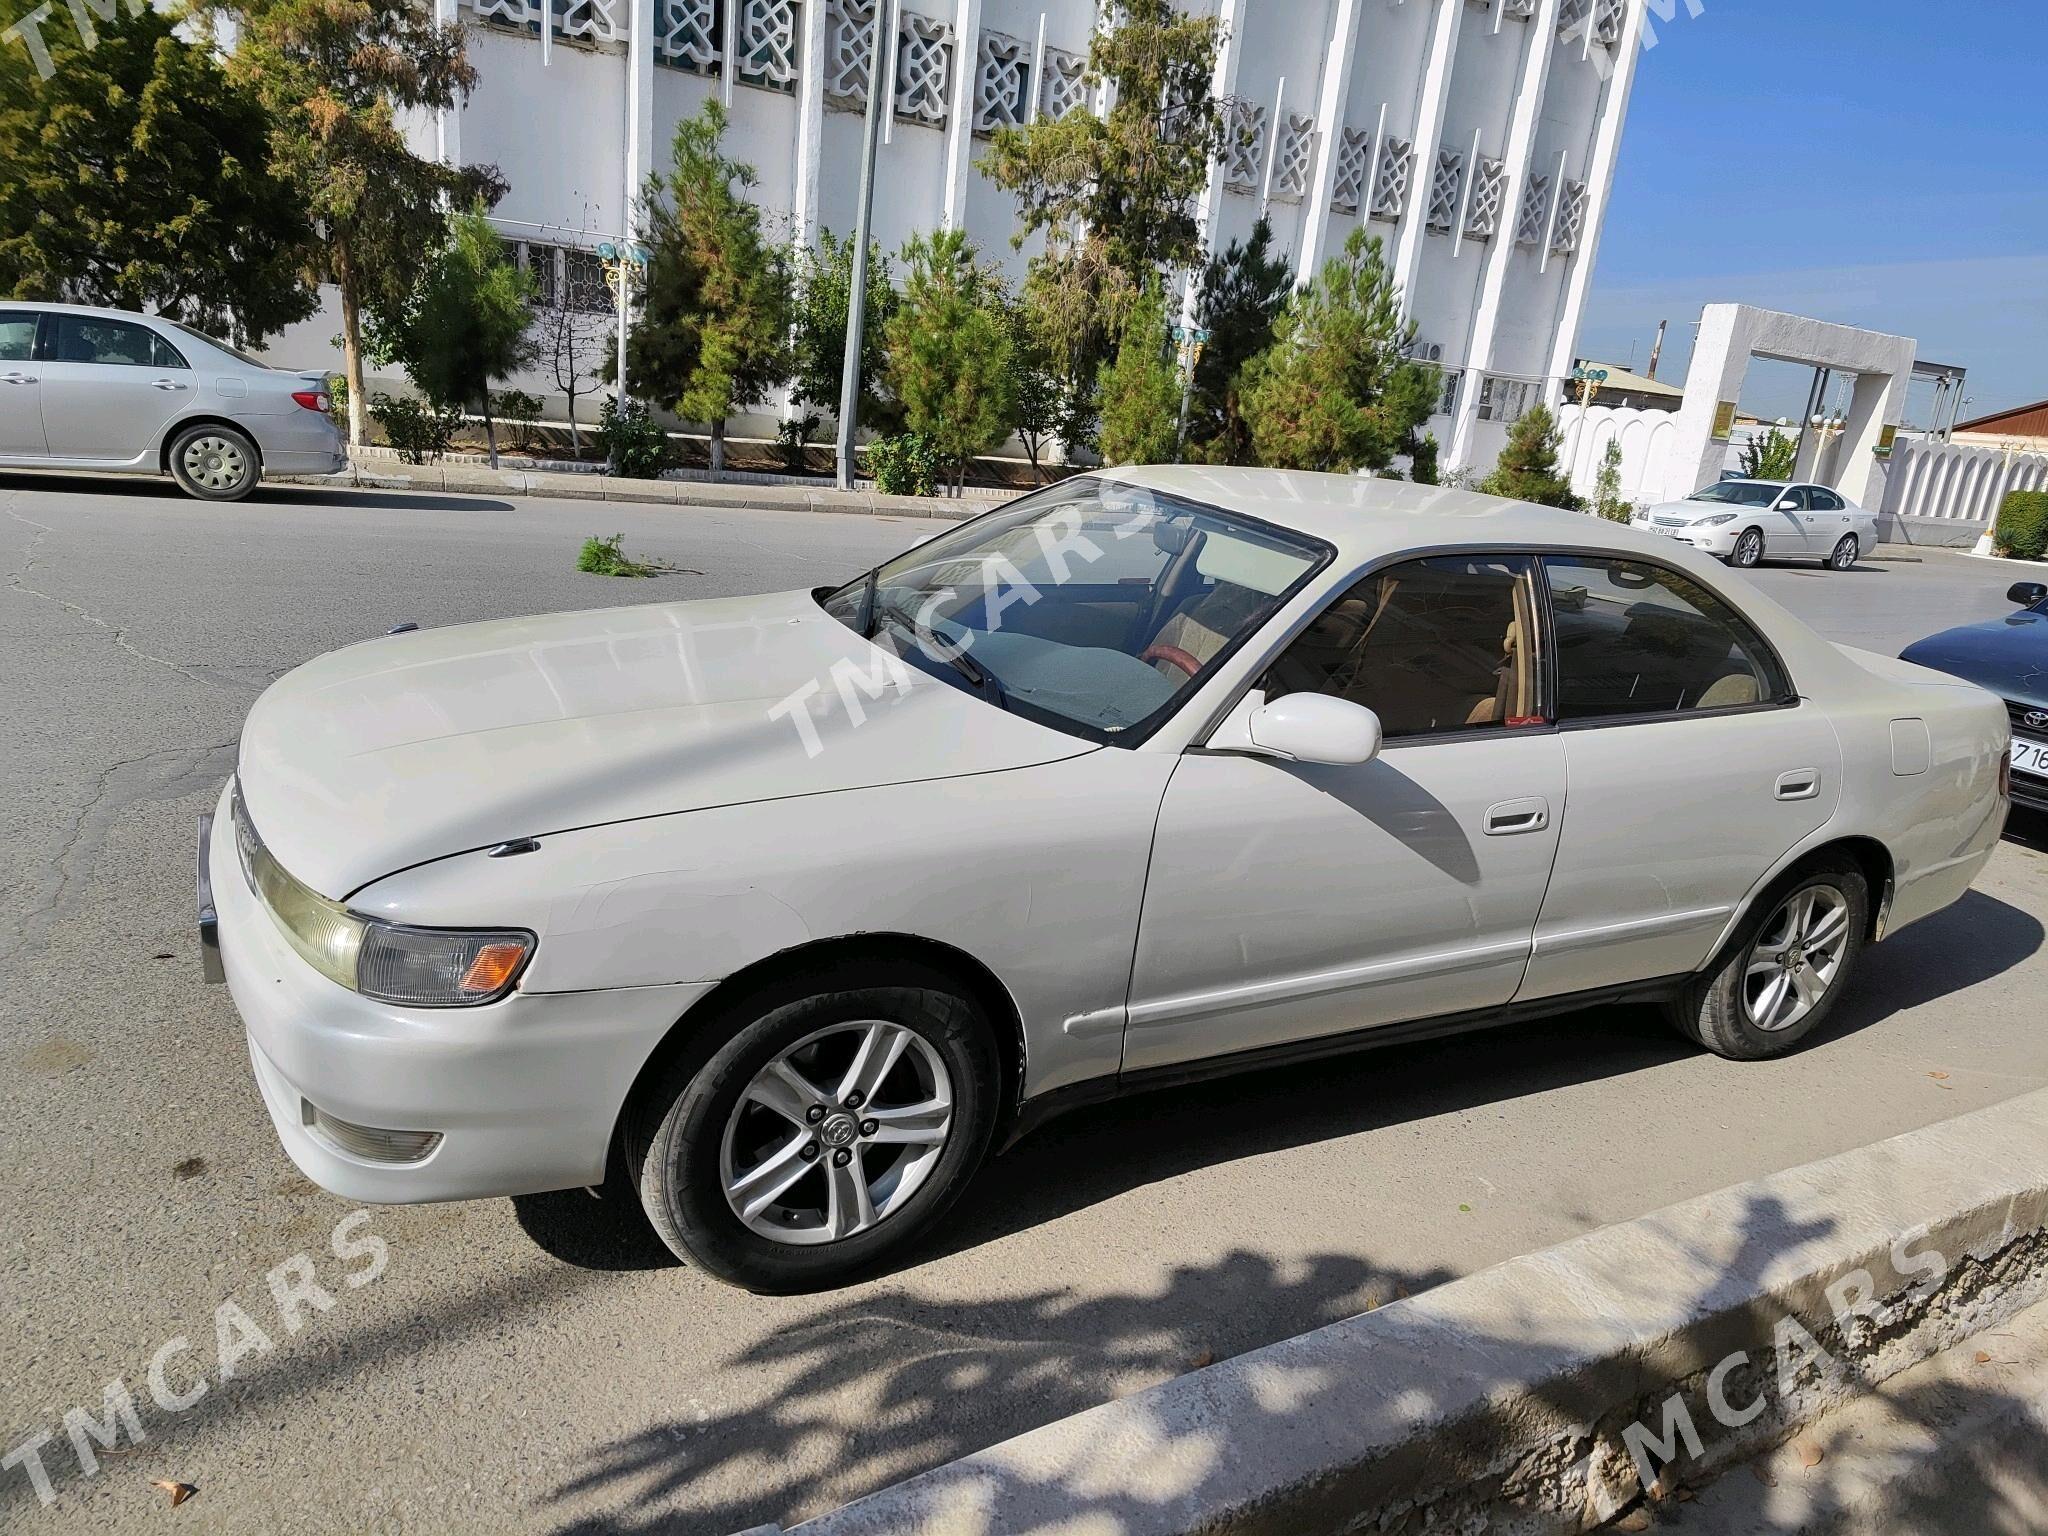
<point>214,463</point>
<point>1748,551</point>
<point>1786,969</point>
<point>829,1128</point>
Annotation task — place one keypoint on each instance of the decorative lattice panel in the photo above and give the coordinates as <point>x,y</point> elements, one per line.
<point>924,62</point>
<point>686,35</point>
<point>1065,85</point>
<point>586,21</point>
<point>767,43</point>
<point>1444,186</point>
<point>1390,181</point>
<point>1244,144</point>
<point>1002,83</point>
<point>1571,218</point>
<point>849,52</point>
<point>1535,216</point>
<point>1518,10</point>
<point>1354,151</point>
<point>1573,17</point>
<point>1608,16</point>
<point>1489,191</point>
<point>1296,157</point>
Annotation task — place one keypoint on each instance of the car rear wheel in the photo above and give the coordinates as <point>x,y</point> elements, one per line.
<point>1748,551</point>
<point>1846,552</point>
<point>214,463</point>
<point>829,1128</point>
<point>1786,969</point>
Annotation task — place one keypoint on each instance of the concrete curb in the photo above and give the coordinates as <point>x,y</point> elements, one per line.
<point>468,479</point>
<point>1507,1401</point>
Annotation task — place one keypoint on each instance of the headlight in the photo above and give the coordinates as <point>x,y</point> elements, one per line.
<point>416,967</point>
<point>1716,521</point>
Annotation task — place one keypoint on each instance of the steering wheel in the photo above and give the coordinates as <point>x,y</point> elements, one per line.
<point>1172,655</point>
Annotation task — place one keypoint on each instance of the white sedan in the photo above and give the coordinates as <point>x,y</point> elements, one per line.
<point>1746,521</point>
<point>784,911</point>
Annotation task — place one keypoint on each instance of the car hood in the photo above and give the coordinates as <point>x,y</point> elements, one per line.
<point>2009,656</point>
<point>413,747</point>
<point>1690,511</point>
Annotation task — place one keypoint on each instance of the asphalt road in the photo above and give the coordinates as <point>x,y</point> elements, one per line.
<point>540,1364</point>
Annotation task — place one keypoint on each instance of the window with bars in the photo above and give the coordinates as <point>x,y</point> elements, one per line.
<point>1505,400</point>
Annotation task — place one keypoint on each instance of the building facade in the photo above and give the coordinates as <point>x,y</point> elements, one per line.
<point>1477,138</point>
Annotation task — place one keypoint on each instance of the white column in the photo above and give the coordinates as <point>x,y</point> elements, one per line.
<point>960,115</point>
<point>1519,156</point>
<point>640,149</point>
<point>810,123</point>
<point>1331,103</point>
<point>448,121</point>
<point>1230,16</point>
<point>1599,184</point>
<point>1429,138</point>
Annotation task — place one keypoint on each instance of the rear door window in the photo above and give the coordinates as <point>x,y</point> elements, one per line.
<point>95,339</point>
<point>17,336</point>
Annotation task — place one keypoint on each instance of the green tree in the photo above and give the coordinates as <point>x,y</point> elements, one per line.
<point>1425,462</point>
<point>137,175</point>
<point>950,351</point>
<point>1040,408</point>
<point>1242,295</point>
<point>1114,195</point>
<point>1140,388</point>
<point>1528,469</point>
<point>713,338</point>
<point>1770,456</point>
<point>464,325</point>
<point>822,282</point>
<point>1336,390</point>
<point>335,77</point>
<point>1607,498</point>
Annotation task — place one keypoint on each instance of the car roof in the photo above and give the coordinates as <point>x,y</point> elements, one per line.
<point>1365,517</point>
<point>99,310</point>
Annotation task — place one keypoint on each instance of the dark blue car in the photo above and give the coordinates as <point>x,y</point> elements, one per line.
<point>2010,657</point>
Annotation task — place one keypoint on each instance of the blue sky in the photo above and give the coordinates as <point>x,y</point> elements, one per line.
<point>1882,163</point>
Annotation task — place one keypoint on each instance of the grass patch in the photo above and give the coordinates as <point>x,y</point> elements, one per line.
<point>607,557</point>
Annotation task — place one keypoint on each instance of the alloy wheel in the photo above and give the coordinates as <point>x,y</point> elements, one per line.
<point>836,1133</point>
<point>214,463</point>
<point>1749,549</point>
<point>1846,552</point>
<point>1796,958</point>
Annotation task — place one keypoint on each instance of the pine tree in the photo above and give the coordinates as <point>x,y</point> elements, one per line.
<point>1607,501</point>
<point>335,77</point>
<point>137,175</point>
<point>1140,388</point>
<point>1336,390</point>
<point>464,325</point>
<point>1528,469</point>
<point>1243,292</point>
<point>713,338</point>
<point>950,351</point>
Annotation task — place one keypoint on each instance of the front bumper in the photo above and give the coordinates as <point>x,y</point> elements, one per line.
<point>1710,541</point>
<point>524,1092</point>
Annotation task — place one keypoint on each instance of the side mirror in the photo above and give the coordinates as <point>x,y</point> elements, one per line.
<point>2026,594</point>
<point>1302,728</point>
<point>1787,505</point>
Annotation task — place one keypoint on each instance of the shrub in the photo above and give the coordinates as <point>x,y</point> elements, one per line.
<point>607,557</point>
<point>520,412</point>
<point>904,465</point>
<point>793,434</point>
<point>2023,525</point>
<point>631,440</point>
<point>421,433</point>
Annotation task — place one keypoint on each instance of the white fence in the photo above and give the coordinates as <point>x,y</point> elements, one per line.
<point>1953,491</point>
<point>1650,458</point>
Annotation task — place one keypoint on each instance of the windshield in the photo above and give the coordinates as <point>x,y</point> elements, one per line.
<point>1739,493</point>
<point>218,345</point>
<point>1091,607</point>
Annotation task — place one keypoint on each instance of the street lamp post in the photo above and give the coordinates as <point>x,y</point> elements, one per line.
<point>620,258</point>
<point>880,73</point>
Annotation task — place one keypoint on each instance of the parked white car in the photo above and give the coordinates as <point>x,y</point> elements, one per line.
<point>86,388</point>
<point>785,910</point>
<point>1747,521</point>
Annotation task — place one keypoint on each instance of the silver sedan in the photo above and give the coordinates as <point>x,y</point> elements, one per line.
<point>105,389</point>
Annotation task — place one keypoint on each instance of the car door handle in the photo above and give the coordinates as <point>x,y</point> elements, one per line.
<point>1799,784</point>
<point>167,384</point>
<point>1512,817</point>
<point>17,378</point>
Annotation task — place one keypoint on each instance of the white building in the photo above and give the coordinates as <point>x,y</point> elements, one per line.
<point>1477,137</point>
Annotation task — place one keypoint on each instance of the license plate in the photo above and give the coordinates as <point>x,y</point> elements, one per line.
<point>2029,756</point>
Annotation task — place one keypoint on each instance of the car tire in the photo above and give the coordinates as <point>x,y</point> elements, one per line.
<point>1848,550</point>
<point>214,462</point>
<point>1748,552</point>
<point>1738,1008</point>
<point>702,1131</point>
